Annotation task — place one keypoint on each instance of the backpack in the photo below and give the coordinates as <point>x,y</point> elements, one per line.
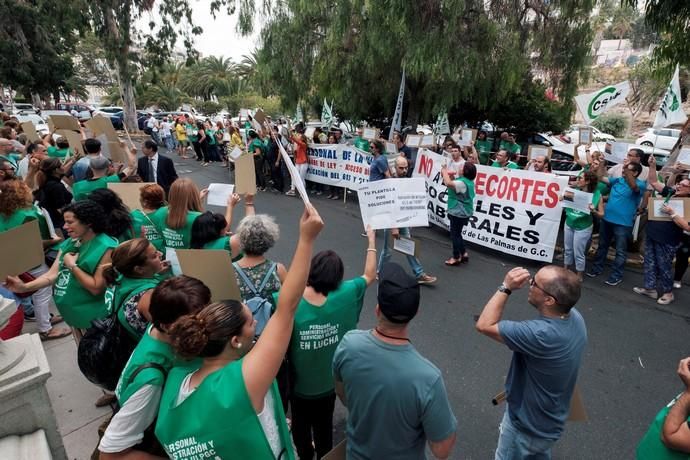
<point>259,306</point>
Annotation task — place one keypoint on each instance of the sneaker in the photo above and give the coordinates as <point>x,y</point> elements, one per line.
<point>290,193</point>
<point>593,274</point>
<point>426,279</point>
<point>665,299</point>
<point>614,281</point>
<point>651,293</point>
<point>677,285</point>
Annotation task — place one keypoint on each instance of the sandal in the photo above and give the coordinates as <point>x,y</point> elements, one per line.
<point>55,319</point>
<point>54,333</point>
<point>464,259</point>
<point>453,262</point>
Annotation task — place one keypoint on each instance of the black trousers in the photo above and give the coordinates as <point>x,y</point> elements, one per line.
<point>682,258</point>
<point>312,420</point>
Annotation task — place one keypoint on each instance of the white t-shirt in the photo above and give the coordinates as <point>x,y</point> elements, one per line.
<point>165,129</point>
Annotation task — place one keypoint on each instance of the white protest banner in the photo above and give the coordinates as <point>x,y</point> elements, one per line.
<point>393,203</point>
<point>592,105</point>
<point>671,111</point>
<point>218,194</point>
<point>338,165</point>
<point>516,212</point>
<point>577,200</point>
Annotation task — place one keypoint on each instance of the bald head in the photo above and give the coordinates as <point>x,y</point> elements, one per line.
<point>401,166</point>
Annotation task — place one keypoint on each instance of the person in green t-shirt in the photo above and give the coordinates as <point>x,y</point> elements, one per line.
<point>359,142</point>
<point>668,437</point>
<point>503,160</point>
<point>460,187</point>
<point>484,147</point>
<point>135,271</point>
<point>60,150</point>
<point>175,221</point>
<point>329,308</point>
<point>578,224</point>
<point>230,401</point>
<point>77,273</point>
<point>152,198</point>
<point>140,386</point>
<point>211,230</point>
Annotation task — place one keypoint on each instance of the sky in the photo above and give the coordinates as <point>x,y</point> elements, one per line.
<point>220,37</point>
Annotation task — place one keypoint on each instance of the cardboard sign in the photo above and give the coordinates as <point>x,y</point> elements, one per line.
<point>30,130</point>
<point>114,151</point>
<point>100,125</point>
<point>413,140</point>
<point>245,175</point>
<point>64,122</point>
<point>339,452</point>
<point>260,116</point>
<point>129,193</point>
<point>74,139</point>
<point>391,148</point>
<point>370,133</point>
<point>428,140</point>
<point>585,136</point>
<point>680,206</point>
<point>21,249</point>
<point>536,150</point>
<point>214,268</point>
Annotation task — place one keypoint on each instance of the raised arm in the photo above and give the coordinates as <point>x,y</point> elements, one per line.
<point>675,433</point>
<point>652,178</point>
<point>260,366</point>
<point>369,274</point>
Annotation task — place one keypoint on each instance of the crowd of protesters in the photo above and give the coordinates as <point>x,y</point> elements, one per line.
<point>218,379</point>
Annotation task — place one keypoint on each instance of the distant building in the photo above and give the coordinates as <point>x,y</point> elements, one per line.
<point>616,52</point>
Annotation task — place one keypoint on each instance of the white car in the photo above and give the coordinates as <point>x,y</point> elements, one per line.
<point>39,123</point>
<point>663,138</point>
<point>598,136</point>
<point>20,108</point>
<point>107,111</point>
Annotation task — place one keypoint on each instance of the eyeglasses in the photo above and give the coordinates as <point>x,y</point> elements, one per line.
<point>533,283</point>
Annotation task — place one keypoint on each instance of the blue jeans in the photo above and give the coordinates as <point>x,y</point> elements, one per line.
<point>169,143</point>
<point>658,265</point>
<point>386,253</point>
<point>575,244</point>
<point>607,232</point>
<point>513,444</point>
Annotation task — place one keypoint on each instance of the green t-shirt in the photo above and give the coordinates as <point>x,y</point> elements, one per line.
<point>192,133</point>
<point>316,334</point>
<point>511,148</point>
<point>601,186</point>
<point>145,228</point>
<point>361,144</point>
<point>148,350</point>
<point>651,447</point>
<point>176,238</point>
<point>217,420</point>
<point>120,292</point>
<point>255,144</point>
<point>78,306</point>
<point>484,150</point>
<point>22,216</point>
<point>211,136</point>
<point>509,165</point>
<point>461,205</point>
<point>54,152</point>
<point>578,220</point>
<point>81,189</point>
<point>223,243</point>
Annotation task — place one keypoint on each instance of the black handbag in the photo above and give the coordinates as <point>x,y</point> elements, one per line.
<point>104,351</point>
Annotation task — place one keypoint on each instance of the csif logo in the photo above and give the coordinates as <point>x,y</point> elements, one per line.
<point>601,100</point>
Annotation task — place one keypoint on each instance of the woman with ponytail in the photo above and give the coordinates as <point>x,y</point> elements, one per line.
<point>230,402</point>
<point>129,434</point>
<point>131,277</point>
<point>118,222</point>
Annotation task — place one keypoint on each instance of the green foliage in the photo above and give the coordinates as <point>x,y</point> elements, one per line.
<point>270,105</point>
<point>165,96</point>
<point>455,52</point>
<point>208,107</point>
<point>612,123</point>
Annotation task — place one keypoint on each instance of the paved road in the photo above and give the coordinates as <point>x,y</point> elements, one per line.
<point>628,371</point>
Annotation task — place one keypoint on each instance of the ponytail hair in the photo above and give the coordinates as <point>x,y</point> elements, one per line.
<point>125,259</point>
<point>206,333</point>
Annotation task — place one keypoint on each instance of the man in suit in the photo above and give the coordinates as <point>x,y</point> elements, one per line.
<point>154,167</point>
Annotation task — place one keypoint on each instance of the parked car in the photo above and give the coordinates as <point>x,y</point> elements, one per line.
<point>20,108</point>
<point>117,119</point>
<point>661,155</point>
<point>107,111</point>
<point>597,136</point>
<point>39,123</point>
<point>663,138</point>
<point>84,111</point>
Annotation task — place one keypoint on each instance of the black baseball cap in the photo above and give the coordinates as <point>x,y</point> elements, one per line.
<point>398,294</point>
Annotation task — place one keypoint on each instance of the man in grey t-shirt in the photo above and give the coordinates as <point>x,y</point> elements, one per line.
<point>546,358</point>
<point>396,398</point>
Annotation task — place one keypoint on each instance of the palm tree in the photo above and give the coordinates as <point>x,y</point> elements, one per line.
<point>165,95</point>
<point>211,77</point>
<point>622,23</point>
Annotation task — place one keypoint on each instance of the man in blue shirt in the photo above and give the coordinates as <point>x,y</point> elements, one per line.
<point>546,358</point>
<point>378,169</point>
<point>617,223</point>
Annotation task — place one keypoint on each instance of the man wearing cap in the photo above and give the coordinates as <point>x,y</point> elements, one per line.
<point>396,398</point>
<point>547,352</point>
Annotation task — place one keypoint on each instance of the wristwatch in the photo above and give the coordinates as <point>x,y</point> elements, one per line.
<point>502,288</point>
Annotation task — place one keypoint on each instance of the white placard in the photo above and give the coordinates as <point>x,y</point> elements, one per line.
<point>427,141</point>
<point>370,133</point>
<point>467,137</point>
<point>413,140</point>
<point>684,156</point>
<point>585,136</point>
<point>577,200</point>
<point>394,203</point>
<point>676,205</point>
<point>309,133</point>
<point>236,153</point>
<point>244,113</point>
<point>391,148</point>
<point>619,152</point>
<point>636,228</point>
<point>171,257</point>
<point>404,245</point>
<point>218,194</point>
